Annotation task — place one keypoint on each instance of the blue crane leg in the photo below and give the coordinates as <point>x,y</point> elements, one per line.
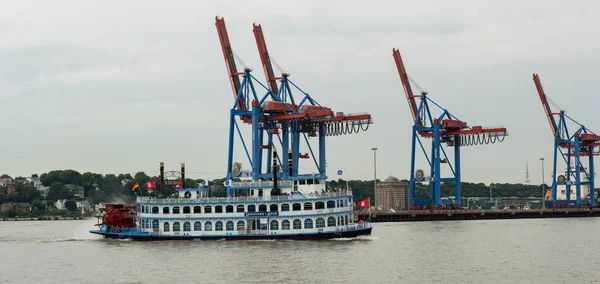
<point>256,141</point>
<point>457,170</point>
<point>554,181</point>
<point>285,147</point>
<point>577,173</point>
<point>411,192</point>
<point>592,176</point>
<point>436,163</point>
<point>322,149</point>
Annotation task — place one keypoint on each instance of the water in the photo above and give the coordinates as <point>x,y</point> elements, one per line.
<point>490,251</point>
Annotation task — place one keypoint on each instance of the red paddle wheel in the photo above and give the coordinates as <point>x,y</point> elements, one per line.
<point>116,217</point>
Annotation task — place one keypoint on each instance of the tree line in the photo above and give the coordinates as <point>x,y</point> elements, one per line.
<point>117,188</point>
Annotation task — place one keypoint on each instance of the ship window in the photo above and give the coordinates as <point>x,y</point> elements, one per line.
<point>319,205</point>
<point>219,226</point>
<point>139,209</point>
<point>218,209</point>
<point>165,210</point>
<point>310,181</point>
<point>186,226</point>
<point>197,226</point>
<point>302,181</point>
<point>330,204</point>
<point>229,209</point>
<point>331,222</point>
<point>240,209</point>
<point>229,226</point>
<point>197,209</point>
<point>307,206</point>
<point>296,207</point>
<point>207,209</point>
<point>297,224</point>
<point>262,208</point>
<point>176,227</point>
<point>186,210</point>
<point>252,192</point>
<point>155,223</point>
<point>251,208</point>
<point>285,224</point>
<point>253,224</point>
<point>176,210</point>
<point>320,223</point>
<point>208,226</point>
<point>241,226</point>
<point>166,227</point>
<point>155,210</point>
<point>346,219</point>
<point>308,224</point>
<point>274,225</point>
<point>273,207</point>
<point>285,207</point>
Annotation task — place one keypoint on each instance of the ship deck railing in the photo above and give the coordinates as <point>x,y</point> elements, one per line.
<point>295,196</point>
<point>260,184</point>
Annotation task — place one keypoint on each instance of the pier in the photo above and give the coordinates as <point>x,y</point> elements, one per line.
<point>453,215</point>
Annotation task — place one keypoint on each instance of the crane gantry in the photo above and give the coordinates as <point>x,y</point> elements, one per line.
<point>444,128</point>
<point>576,144</point>
<point>284,115</point>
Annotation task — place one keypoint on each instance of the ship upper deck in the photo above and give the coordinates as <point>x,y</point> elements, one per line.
<point>295,196</point>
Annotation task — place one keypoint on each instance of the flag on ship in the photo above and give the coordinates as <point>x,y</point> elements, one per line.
<point>179,185</point>
<point>341,172</point>
<point>135,186</point>
<point>204,182</point>
<point>363,203</point>
<point>150,184</point>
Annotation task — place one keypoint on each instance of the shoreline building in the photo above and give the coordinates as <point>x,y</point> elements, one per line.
<point>391,194</point>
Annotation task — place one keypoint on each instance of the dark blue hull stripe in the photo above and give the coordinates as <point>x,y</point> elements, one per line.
<point>310,236</point>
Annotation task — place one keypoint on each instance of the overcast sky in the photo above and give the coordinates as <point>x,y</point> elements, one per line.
<point>118,86</point>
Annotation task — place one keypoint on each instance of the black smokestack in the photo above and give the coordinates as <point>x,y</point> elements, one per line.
<point>290,162</point>
<point>275,169</point>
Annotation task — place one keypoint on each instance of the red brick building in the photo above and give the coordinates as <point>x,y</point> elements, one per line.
<point>391,194</point>
<point>20,207</point>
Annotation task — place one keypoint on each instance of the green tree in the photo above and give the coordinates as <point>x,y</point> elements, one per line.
<point>71,205</point>
<point>38,205</point>
<point>58,191</point>
<point>62,176</point>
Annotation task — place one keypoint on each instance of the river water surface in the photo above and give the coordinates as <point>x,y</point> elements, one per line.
<point>490,251</point>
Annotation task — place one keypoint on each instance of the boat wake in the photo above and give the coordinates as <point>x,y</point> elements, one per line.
<point>358,239</point>
<point>65,240</point>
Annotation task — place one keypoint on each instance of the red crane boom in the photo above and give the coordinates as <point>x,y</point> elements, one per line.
<point>544,99</point>
<point>230,62</point>
<point>265,59</point>
<point>404,78</point>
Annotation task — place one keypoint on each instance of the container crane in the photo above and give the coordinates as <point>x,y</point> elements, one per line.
<point>278,117</point>
<point>577,144</point>
<point>442,129</point>
<point>308,118</point>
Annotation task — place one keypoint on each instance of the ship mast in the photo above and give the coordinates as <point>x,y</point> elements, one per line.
<point>527,180</point>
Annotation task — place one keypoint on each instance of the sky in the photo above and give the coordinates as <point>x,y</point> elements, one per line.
<point>118,86</point>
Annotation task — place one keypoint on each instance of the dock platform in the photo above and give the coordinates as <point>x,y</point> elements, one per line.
<point>453,215</point>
